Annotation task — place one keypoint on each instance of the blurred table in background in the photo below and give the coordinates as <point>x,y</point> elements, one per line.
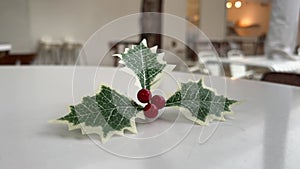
<point>8,58</point>
<point>248,45</point>
<point>4,49</point>
<point>260,61</point>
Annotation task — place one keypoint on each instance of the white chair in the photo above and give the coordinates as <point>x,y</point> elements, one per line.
<point>236,70</point>
<point>70,52</point>
<point>49,51</point>
<point>204,67</point>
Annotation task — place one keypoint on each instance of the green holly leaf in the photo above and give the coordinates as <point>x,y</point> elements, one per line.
<point>203,104</point>
<point>145,63</point>
<point>105,114</point>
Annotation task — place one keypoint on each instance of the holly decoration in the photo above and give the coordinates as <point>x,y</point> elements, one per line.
<point>203,104</point>
<point>158,101</point>
<point>150,110</point>
<point>109,112</point>
<point>144,95</point>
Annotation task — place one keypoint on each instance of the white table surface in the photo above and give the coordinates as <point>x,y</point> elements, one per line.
<point>260,61</point>
<point>264,133</point>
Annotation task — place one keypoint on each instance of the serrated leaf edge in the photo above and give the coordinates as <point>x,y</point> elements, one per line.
<point>168,68</point>
<point>98,130</point>
<point>209,117</point>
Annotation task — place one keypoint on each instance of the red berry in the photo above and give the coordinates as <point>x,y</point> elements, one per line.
<point>144,95</point>
<point>158,101</point>
<point>150,110</point>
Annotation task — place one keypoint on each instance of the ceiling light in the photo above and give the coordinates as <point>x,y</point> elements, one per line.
<point>238,4</point>
<point>228,5</point>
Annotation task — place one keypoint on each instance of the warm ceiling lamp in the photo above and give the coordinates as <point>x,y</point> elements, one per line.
<point>238,4</point>
<point>228,5</point>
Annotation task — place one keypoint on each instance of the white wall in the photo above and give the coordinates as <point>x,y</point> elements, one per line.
<point>75,18</point>
<point>78,18</point>
<point>14,24</point>
<point>212,18</point>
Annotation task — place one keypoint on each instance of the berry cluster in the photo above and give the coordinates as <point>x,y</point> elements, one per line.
<point>154,103</point>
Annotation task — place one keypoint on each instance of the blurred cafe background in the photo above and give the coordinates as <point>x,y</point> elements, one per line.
<point>248,39</point>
